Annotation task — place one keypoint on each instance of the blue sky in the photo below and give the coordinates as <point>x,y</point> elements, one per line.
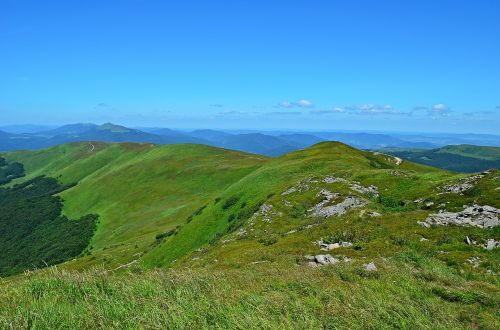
<point>367,65</point>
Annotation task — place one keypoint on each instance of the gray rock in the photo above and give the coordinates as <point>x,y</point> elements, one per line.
<point>371,267</point>
<point>345,244</point>
<point>324,211</point>
<point>465,183</point>
<point>473,216</point>
<point>373,214</point>
<point>491,244</point>
<point>332,179</point>
<point>370,190</point>
<point>321,260</point>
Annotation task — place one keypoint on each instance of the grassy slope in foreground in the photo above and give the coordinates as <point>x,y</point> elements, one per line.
<point>138,190</point>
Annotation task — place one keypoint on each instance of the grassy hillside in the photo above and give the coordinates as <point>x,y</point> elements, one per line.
<point>459,158</point>
<point>138,190</point>
<point>237,239</point>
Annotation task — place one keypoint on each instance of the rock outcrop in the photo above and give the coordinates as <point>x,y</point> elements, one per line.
<point>472,216</point>
<point>327,246</point>
<point>465,183</point>
<point>324,210</point>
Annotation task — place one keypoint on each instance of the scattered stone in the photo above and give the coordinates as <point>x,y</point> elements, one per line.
<point>491,244</point>
<point>429,204</point>
<point>398,160</point>
<point>321,260</point>
<point>469,241</point>
<point>423,239</point>
<point>301,187</point>
<point>289,191</point>
<point>373,214</point>
<point>424,224</point>
<point>332,179</point>
<point>418,200</point>
<point>474,216</point>
<point>474,261</point>
<point>328,247</point>
<point>266,210</point>
<point>371,267</point>
<point>465,183</point>
<point>324,211</point>
<point>371,190</point>
<point>290,232</point>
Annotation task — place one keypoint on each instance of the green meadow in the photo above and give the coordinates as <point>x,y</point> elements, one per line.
<point>191,236</point>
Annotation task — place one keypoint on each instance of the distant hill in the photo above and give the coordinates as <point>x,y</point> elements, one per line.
<point>264,143</point>
<point>459,158</point>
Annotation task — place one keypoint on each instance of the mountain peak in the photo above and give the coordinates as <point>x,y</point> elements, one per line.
<point>114,128</point>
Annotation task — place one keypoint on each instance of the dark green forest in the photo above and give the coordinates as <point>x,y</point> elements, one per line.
<point>447,161</point>
<point>11,171</point>
<point>33,232</point>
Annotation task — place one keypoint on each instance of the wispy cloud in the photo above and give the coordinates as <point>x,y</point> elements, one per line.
<point>478,113</point>
<point>301,104</point>
<point>217,105</point>
<point>373,109</point>
<point>102,105</point>
<point>327,112</point>
<point>440,109</point>
<point>286,104</point>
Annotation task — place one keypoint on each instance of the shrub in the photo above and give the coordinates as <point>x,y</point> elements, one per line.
<point>231,201</point>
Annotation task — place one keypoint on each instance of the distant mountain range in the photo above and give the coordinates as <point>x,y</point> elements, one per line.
<point>30,137</point>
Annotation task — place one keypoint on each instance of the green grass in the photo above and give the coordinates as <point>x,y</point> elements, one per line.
<point>427,295</point>
<point>186,215</point>
<point>138,190</point>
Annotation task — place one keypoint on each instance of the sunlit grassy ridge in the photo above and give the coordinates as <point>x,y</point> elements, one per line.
<point>138,190</point>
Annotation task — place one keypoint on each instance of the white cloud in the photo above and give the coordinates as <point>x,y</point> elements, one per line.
<point>440,109</point>
<point>301,104</point>
<point>305,104</point>
<point>337,109</point>
<point>286,104</point>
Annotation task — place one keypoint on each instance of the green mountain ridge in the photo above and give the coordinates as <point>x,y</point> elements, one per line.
<point>255,225</point>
